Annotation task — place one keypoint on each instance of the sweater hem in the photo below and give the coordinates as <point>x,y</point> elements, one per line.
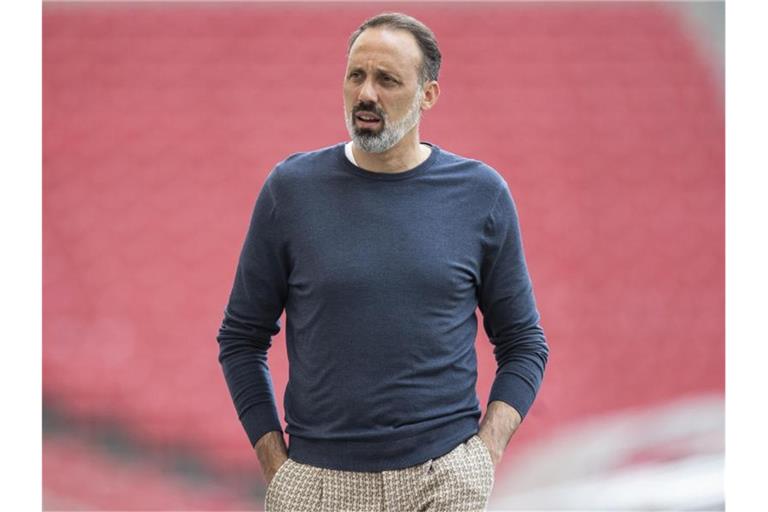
<point>375,456</point>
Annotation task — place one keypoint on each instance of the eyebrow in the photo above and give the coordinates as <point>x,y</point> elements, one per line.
<point>378,71</point>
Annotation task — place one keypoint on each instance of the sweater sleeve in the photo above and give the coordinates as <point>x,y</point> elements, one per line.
<point>510,317</point>
<point>252,317</point>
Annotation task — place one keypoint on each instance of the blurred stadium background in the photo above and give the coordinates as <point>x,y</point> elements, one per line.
<point>160,123</point>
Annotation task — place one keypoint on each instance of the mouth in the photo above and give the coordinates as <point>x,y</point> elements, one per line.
<point>367,120</point>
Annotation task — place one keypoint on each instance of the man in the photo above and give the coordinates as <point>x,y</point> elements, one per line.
<point>380,250</point>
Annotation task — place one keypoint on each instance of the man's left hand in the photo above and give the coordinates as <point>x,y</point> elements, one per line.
<point>496,429</point>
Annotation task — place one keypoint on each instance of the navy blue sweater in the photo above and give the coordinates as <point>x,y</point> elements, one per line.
<point>380,275</point>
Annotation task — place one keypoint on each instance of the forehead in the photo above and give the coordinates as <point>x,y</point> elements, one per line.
<point>390,48</point>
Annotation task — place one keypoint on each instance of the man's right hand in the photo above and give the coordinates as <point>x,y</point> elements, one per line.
<point>272,453</point>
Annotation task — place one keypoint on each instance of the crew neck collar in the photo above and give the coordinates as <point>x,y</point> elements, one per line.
<point>388,176</point>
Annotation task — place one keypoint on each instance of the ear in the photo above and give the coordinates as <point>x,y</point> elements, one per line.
<point>431,93</point>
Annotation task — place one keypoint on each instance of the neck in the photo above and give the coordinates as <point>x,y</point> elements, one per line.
<point>406,154</point>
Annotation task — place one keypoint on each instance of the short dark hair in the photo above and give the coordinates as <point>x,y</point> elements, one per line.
<point>430,52</point>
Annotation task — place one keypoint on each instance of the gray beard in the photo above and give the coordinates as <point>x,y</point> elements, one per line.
<point>391,133</point>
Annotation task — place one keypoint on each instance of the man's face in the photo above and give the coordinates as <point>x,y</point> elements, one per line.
<point>382,94</point>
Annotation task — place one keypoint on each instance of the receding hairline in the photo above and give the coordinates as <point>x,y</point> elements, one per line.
<point>419,53</point>
<point>431,57</point>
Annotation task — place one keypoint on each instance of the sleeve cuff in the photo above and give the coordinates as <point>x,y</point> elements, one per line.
<point>260,419</point>
<point>513,390</point>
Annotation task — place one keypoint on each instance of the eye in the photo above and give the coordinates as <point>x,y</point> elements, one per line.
<point>389,81</point>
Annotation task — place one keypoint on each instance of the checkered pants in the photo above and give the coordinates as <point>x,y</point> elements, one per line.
<point>460,480</point>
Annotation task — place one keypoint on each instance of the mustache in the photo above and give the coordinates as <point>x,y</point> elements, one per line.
<point>368,107</point>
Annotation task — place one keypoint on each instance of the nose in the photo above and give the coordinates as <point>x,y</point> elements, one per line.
<point>367,92</point>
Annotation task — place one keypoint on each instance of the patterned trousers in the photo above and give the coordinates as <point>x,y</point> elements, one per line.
<point>460,480</point>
